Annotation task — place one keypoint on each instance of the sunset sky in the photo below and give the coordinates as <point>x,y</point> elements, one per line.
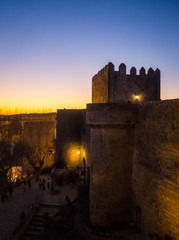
<point>50,49</point>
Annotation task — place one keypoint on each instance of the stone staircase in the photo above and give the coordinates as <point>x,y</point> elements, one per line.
<point>37,224</point>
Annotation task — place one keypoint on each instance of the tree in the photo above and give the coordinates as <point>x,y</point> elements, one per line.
<point>36,157</point>
<point>39,136</point>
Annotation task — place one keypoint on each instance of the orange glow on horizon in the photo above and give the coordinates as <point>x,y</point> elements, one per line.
<point>38,106</point>
<point>14,111</point>
<point>43,98</point>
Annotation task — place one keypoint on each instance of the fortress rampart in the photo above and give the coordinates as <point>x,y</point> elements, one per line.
<point>111,154</point>
<point>134,151</point>
<point>70,130</point>
<point>155,171</point>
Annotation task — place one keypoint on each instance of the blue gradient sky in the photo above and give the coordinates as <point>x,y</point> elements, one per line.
<point>50,50</point>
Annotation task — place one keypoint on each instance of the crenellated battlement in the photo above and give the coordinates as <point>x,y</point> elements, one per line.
<point>108,68</point>
<point>109,85</point>
<point>122,69</point>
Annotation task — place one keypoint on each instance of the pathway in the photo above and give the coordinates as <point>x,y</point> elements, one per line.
<point>11,209</point>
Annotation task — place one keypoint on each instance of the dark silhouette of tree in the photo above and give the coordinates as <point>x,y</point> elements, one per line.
<point>36,157</point>
<point>38,136</point>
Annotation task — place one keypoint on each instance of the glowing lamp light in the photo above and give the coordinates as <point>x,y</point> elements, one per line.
<point>137,97</point>
<point>78,152</point>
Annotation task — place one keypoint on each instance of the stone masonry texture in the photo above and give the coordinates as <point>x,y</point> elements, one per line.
<point>133,151</point>
<point>134,155</point>
<point>111,148</point>
<point>155,175</point>
<point>70,128</point>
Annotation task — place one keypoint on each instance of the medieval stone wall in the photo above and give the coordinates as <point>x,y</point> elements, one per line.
<point>156,168</point>
<point>69,140</point>
<point>111,154</point>
<point>37,130</point>
<point>134,155</point>
<point>128,86</point>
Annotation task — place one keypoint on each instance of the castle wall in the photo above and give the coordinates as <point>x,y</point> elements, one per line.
<point>134,159</point>
<point>155,173</point>
<point>37,130</point>
<point>127,86</point>
<point>69,140</point>
<point>111,153</point>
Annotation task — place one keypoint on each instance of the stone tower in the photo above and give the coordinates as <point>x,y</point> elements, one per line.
<point>112,118</point>
<point>111,154</point>
<point>109,85</point>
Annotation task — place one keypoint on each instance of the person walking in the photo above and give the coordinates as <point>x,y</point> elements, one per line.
<point>24,187</point>
<point>48,183</point>
<point>10,189</point>
<point>43,184</point>
<point>29,184</point>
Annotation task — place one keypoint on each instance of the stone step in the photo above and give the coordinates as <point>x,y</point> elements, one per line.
<point>36,223</point>
<point>48,209</point>
<point>39,219</point>
<point>35,228</point>
<point>50,204</point>
<point>30,238</point>
<point>50,213</point>
<point>39,215</point>
<point>32,233</point>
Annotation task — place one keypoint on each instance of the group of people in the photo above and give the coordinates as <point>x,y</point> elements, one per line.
<point>26,184</point>
<point>43,184</point>
<point>8,190</point>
